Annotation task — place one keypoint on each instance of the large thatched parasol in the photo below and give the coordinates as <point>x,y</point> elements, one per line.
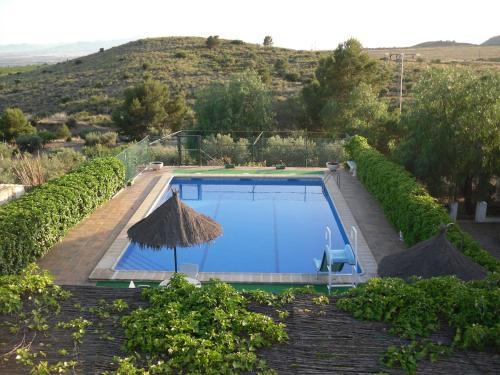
<point>433,257</point>
<point>174,224</point>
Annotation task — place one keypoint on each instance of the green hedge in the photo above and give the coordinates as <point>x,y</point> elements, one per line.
<point>407,204</point>
<point>32,224</point>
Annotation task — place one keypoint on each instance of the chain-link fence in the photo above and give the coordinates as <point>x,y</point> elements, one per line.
<point>294,149</point>
<point>135,158</point>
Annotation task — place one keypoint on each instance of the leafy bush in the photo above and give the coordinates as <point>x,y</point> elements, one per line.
<point>32,224</point>
<point>106,139</point>
<point>407,204</point>
<point>180,55</point>
<point>166,154</point>
<point>291,151</point>
<point>224,147</point>
<point>100,151</point>
<point>6,150</point>
<point>329,151</point>
<point>13,123</point>
<point>193,330</point>
<point>63,132</point>
<point>47,136</point>
<point>29,142</point>
<point>212,41</point>
<point>422,306</point>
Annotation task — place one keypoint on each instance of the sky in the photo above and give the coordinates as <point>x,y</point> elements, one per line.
<point>305,24</point>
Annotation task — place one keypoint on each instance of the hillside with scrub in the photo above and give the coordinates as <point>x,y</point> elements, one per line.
<point>94,83</point>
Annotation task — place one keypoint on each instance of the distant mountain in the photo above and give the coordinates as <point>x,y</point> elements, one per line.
<point>442,43</point>
<point>22,54</point>
<point>494,41</point>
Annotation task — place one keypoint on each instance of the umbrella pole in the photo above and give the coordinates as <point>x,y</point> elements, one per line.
<point>175,258</point>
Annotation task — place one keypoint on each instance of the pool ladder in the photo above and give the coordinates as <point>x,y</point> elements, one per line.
<point>353,236</point>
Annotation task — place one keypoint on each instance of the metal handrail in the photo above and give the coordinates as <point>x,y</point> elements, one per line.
<point>258,138</point>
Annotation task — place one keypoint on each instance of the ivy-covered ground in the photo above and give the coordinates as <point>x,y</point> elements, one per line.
<point>45,329</point>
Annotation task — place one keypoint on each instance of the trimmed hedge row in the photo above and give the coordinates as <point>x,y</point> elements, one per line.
<point>32,224</point>
<point>407,204</point>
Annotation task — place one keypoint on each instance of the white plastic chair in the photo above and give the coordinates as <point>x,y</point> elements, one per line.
<point>189,269</point>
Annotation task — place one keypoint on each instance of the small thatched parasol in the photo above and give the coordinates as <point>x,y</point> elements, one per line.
<point>174,224</point>
<point>433,257</point>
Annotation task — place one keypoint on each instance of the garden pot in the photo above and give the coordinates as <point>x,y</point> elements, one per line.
<point>156,165</point>
<point>332,165</point>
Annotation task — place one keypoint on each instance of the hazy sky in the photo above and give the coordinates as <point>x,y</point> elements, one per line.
<point>305,24</point>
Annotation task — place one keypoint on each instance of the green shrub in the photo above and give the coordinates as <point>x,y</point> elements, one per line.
<point>407,204</point>
<point>6,150</point>
<point>32,224</point>
<point>107,138</point>
<point>29,142</point>
<point>291,150</point>
<point>193,330</point>
<point>63,132</point>
<point>14,123</point>
<point>166,154</point>
<point>421,307</point>
<point>329,151</point>
<point>99,151</point>
<point>47,136</point>
<point>224,147</point>
<point>180,55</point>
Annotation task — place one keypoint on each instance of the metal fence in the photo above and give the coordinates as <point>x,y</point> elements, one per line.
<point>135,158</point>
<point>295,149</point>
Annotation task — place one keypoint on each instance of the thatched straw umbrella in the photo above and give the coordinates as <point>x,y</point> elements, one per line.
<point>433,257</point>
<point>174,224</point>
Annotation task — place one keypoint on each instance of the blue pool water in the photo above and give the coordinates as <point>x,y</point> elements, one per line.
<point>270,225</point>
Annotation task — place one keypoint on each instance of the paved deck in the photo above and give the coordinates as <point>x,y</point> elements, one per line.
<point>380,235</point>
<point>72,260</point>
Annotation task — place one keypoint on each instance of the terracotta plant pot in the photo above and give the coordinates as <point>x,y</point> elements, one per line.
<point>332,165</point>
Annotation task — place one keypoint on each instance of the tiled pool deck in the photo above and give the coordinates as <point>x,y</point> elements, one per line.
<point>91,249</point>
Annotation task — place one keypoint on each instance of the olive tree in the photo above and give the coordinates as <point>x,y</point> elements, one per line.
<point>453,133</point>
<point>242,104</point>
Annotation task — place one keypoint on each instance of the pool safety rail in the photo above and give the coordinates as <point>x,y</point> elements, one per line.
<point>334,260</point>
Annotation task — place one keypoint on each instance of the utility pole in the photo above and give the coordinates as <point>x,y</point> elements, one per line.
<point>402,58</point>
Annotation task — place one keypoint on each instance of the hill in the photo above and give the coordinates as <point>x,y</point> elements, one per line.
<point>94,83</point>
<point>441,43</point>
<point>493,41</point>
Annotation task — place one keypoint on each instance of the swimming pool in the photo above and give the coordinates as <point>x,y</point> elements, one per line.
<point>273,225</point>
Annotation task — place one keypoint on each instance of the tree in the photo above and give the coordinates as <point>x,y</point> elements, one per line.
<point>242,104</point>
<point>361,113</point>
<point>453,133</point>
<point>212,41</point>
<point>149,108</point>
<point>13,123</point>
<point>268,41</point>
<point>338,75</point>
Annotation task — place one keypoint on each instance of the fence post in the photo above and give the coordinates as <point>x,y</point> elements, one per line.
<point>199,150</point>
<point>179,149</point>
<point>305,140</point>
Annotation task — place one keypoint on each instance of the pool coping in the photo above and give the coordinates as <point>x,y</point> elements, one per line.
<point>105,267</point>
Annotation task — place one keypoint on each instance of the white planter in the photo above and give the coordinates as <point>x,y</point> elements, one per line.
<point>156,165</point>
<point>332,166</point>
